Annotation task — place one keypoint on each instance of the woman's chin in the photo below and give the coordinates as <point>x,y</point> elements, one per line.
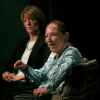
<point>52,49</point>
<point>29,31</point>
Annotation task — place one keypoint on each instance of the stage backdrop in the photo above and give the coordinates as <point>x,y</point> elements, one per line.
<point>11,30</point>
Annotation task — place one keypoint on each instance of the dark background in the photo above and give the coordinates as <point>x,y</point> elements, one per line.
<point>81,20</point>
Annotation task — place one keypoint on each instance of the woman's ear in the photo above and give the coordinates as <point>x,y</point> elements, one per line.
<point>66,36</point>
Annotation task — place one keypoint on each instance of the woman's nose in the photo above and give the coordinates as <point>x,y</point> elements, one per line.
<point>48,39</point>
<point>28,22</point>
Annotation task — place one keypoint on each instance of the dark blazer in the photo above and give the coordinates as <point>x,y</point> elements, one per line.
<point>38,57</point>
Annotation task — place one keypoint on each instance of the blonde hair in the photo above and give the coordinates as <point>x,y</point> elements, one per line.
<point>33,12</point>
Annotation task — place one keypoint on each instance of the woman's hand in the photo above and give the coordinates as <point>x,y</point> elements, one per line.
<point>20,65</point>
<point>12,76</point>
<point>40,91</point>
<point>8,76</point>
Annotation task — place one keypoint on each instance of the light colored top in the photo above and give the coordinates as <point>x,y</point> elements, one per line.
<point>55,69</point>
<point>26,55</point>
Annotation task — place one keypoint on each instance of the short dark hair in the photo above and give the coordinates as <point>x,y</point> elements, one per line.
<point>60,24</point>
<point>61,28</point>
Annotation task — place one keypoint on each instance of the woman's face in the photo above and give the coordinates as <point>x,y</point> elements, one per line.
<point>31,26</point>
<point>54,38</point>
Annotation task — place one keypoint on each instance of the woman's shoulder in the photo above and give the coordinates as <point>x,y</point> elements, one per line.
<point>72,50</point>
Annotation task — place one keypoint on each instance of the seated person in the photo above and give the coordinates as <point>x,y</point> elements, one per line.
<point>62,59</point>
<point>33,51</point>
